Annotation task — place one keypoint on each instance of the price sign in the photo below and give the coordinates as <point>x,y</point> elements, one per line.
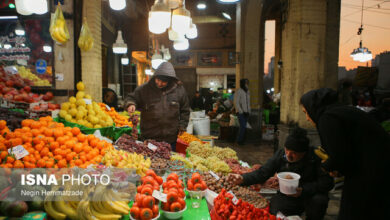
<point>139,142</point>
<point>234,200</point>
<point>18,151</point>
<point>108,108</point>
<point>88,101</point>
<point>159,195</point>
<point>214,175</point>
<point>152,147</point>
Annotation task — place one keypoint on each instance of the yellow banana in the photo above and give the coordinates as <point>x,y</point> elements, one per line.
<point>114,207</point>
<point>66,208</point>
<point>84,211</point>
<point>57,36</point>
<point>49,208</point>
<point>103,216</point>
<point>321,153</point>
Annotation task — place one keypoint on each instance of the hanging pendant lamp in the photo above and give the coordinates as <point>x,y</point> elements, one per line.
<point>173,4</point>
<point>119,47</point>
<point>192,33</point>
<point>157,59</point>
<point>19,30</point>
<point>181,44</point>
<point>181,19</point>
<point>159,17</point>
<point>117,4</point>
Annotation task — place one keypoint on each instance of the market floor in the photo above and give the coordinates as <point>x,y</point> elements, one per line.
<point>258,152</point>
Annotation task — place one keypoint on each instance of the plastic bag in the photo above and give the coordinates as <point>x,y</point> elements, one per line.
<point>85,41</point>
<point>58,29</point>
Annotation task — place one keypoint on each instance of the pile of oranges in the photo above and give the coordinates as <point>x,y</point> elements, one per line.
<point>50,145</point>
<point>119,120</point>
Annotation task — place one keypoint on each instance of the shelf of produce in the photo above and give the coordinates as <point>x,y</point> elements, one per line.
<point>191,213</point>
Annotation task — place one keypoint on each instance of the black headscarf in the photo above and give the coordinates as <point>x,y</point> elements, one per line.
<point>297,140</point>
<point>316,101</point>
<point>243,84</point>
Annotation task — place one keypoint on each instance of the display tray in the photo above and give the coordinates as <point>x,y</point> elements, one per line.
<point>191,213</point>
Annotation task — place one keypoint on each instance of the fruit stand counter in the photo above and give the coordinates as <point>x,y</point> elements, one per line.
<point>201,213</point>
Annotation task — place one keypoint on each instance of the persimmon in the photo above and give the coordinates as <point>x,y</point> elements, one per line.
<point>3,124</point>
<point>3,154</point>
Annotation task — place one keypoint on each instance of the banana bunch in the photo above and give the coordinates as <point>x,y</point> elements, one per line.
<point>124,159</point>
<point>60,209</point>
<point>85,41</point>
<point>106,204</point>
<point>321,153</point>
<point>58,30</point>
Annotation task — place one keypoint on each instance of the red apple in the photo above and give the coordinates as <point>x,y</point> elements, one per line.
<point>9,97</point>
<point>27,88</point>
<point>18,98</point>
<point>9,83</point>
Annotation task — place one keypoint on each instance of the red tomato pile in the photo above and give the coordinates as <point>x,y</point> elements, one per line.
<point>226,209</point>
<point>145,206</point>
<point>196,183</point>
<point>174,188</point>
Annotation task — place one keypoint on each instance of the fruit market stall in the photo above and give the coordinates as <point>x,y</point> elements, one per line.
<point>165,185</point>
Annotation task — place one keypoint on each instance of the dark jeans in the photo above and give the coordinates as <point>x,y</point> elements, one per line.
<point>173,146</point>
<point>241,133</point>
<point>314,207</point>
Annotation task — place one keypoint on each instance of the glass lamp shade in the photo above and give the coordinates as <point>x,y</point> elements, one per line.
<point>159,17</point>
<point>181,44</point>
<point>148,72</point>
<point>361,54</point>
<point>173,4</point>
<point>22,7</point>
<point>125,61</point>
<point>181,20</point>
<point>119,46</point>
<point>19,31</point>
<point>117,4</point>
<point>156,60</point>
<point>173,35</point>
<point>192,33</point>
<point>228,1</point>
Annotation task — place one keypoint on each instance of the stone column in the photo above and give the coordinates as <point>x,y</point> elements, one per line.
<point>307,54</point>
<point>310,40</point>
<point>278,49</point>
<point>91,61</point>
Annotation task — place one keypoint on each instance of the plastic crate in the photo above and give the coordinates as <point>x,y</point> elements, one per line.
<point>181,146</point>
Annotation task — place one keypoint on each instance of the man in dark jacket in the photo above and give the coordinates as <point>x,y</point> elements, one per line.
<point>197,102</point>
<point>164,106</point>
<point>314,184</point>
<point>358,147</point>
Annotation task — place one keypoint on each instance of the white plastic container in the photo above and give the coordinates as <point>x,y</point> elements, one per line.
<point>288,186</point>
<point>201,126</point>
<point>174,215</point>
<point>190,128</point>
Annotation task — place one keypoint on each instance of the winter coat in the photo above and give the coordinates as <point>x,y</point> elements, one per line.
<point>313,179</point>
<point>359,148</point>
<point>242,101</point>
<point>163,111</point>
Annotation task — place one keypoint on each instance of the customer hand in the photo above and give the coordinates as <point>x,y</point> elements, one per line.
<point>131,109</point>
<point>298,194</point>
<point>236,179</point>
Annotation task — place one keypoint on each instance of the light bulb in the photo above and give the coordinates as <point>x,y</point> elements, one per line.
<point>192,33</point>
<point>181,44</point>
<point>7,46</point>
<point>117,4</point>
<point>226,15</point>
<point>119,46</point>
<point>22,7</point>
<point>181,20</point>
<point>125,60</point>
<point>201,6</point>
<point>156,60</point>
<point>159,17</point>
<point>39,6</point>
<point>47,48</point>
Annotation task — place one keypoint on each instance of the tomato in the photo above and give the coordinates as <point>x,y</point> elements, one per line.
<point>139,189</point>
<point>172,185</point>
<point>173,176</point>
<point>148,180</point>
<point>173,190</point>
<point>198,187</point>
<point>166,206</point>
<point>181,193</point>
<point>135,204</point>
<point>190,186</point>
<point>159,179</point>
<point>151,173</point>
<point>155,210</point>
<point>204,186</point>
<point>148,202</point>
<point>146,214</point>
<point>139,198</point>
<point>147,191</point>
<point>134,212</point>
<point>175,207</point>
<point>180,184</point>
<point>182,202</point>
<point>165,185</point>
<point>195,178</point>
<point>172,197</point>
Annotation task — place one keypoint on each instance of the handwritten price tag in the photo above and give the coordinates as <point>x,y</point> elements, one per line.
<point>214,175</point>
<point>18,151</point>
<point>88,101</point>
<point>234,200</point>
<point>159,195</point>
<point>152,147</point>
<point>108,108</point>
